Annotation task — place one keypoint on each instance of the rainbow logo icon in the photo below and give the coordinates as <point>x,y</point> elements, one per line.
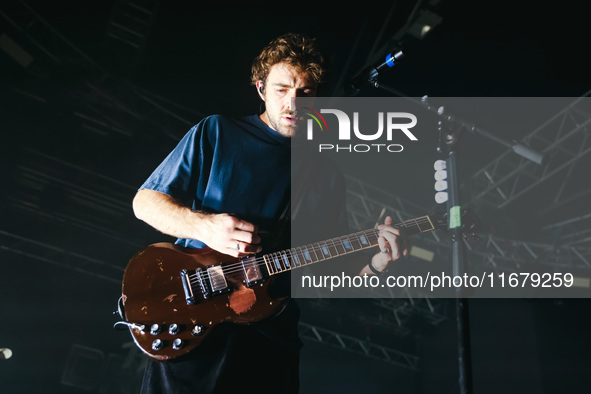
<point>317,117</point>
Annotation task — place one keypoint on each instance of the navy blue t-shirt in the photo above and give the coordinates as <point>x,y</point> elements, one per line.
<point>224,165</point>
<point>243,167</point>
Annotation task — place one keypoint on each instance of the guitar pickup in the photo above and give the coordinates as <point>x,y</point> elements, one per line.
<point>217,280</point>
<point>251,270</point>
<point>212,281</point>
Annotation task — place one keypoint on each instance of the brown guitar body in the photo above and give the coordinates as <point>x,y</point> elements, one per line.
<point>153,294</point>
<point>174,296</point>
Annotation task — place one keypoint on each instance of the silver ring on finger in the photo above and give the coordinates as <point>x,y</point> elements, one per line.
<point>237,247</point>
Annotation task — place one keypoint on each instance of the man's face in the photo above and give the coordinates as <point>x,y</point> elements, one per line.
<point>284,83</point>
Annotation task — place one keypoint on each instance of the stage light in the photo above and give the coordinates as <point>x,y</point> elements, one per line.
<point>441,197</point>
<point>426,22</point>
<point>440,175</point>
<point>441,184</point>
<point>5,353</point>
<point>439,165</point>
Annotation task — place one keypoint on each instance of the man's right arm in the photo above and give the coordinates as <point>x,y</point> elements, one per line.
<point>222,232</point>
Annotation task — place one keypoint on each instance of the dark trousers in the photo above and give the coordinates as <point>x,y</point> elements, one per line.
<point>232,358</point>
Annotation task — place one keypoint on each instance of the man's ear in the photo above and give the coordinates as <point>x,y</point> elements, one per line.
<point>261,89</point>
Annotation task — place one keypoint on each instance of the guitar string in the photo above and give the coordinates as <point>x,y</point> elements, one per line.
<point>319,247</point>
<point>260,261</point>
<point>205,276</point>
<point>315,247</point>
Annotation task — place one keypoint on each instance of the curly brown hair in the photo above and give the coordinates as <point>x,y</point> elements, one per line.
<point>294,49</point>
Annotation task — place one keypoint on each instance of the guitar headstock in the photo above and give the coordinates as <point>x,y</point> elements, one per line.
<point>470,223</point>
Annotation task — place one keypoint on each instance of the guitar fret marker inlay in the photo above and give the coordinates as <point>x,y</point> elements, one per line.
<point>307,255</point>
<point>347,244</point>
<point>285,260</point>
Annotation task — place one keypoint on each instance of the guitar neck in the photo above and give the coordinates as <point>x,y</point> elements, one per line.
<point>301,256</point>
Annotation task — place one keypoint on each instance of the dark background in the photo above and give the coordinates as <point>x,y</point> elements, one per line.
<point>86,118</point>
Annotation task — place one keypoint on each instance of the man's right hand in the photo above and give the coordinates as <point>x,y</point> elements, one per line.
<point>228,234</point>
<point>222,232</point>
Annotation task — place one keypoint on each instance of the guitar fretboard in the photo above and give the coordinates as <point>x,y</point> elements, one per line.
<point>301,256</point>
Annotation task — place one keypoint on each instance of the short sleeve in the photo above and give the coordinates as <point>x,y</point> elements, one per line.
<point>178,174</point>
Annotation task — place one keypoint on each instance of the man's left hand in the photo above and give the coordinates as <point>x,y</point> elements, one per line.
<point>392,245</point>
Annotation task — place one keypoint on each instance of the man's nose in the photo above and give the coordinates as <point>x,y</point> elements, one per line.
<point>292,98</point>
<point>291,101</point>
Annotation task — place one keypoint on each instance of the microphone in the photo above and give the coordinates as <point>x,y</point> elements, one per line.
<point>370,75</point>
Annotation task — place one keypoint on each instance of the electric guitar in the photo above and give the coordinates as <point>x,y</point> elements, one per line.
<point>172,296</point>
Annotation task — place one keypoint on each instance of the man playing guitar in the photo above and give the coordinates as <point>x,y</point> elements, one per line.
<point>226,186</point>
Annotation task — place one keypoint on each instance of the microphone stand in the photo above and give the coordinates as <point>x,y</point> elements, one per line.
<point>451,129</point>
<point>448,142</point>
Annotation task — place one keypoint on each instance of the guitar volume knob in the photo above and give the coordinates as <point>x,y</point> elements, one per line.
<point>177,344</point>
<point>174,329</point>
<point>155,329</point>
<point>157,344</point>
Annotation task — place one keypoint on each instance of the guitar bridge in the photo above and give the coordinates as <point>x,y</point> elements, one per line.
<point>205,289</point>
